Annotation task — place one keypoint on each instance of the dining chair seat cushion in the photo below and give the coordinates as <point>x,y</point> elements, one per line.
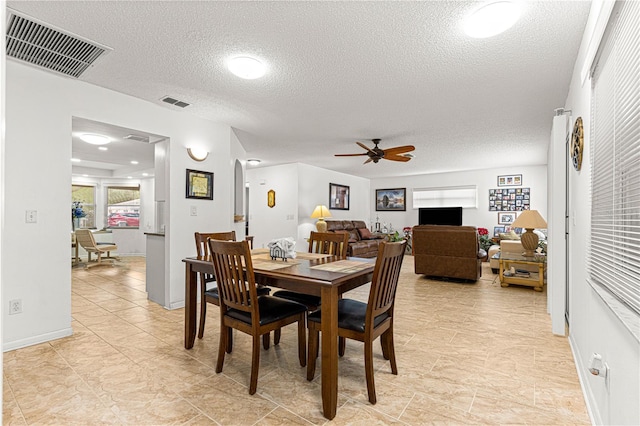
<point>213,292</point>
<point>308,300</point>
<point>272,309</point>
<point>351,315</point>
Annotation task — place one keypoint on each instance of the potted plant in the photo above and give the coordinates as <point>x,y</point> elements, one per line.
<point>484,240</point>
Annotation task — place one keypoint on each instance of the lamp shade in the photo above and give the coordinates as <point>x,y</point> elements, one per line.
<point>529,219</point>
<point>320,212</point>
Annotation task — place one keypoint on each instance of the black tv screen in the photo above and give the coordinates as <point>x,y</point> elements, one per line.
<point>440,216</point>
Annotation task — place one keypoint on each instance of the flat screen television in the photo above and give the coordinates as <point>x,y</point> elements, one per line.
<point>440,216</point>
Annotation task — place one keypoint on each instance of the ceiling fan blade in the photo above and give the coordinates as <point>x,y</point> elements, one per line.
<point>350,155</point>
<point>365,147</point>
<point>399,150</point>
<point>368,160</point>
<point>396,158</point>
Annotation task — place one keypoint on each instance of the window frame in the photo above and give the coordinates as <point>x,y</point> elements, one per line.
<point>133,206</point>
<point>440,196</point>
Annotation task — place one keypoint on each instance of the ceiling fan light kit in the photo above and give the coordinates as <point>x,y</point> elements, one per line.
<point>398,153</point>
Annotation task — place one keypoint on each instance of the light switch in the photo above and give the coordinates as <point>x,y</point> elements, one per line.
<point>31,216</point>
<point>194,211</point>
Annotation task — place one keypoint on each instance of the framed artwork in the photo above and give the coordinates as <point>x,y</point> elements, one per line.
<point>506,218</point>
<point>510,180</point>
<point>509,199</point>
<point>391,200</point>
<point>338,197</point>
<point>271,198</point>
<point>497,230</point>
<point>199,184</point>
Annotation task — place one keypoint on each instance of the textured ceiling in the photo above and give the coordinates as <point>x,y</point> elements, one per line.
<point>341,72</point>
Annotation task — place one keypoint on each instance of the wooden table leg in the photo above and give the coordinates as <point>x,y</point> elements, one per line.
<point>190,300</point>
<point>329,335</point>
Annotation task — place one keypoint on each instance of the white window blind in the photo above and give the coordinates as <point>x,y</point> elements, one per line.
<point>614,253</point>
<point>452,196</point>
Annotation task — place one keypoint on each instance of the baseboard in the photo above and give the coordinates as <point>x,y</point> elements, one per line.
<point>176,305</point>
<point>592,410</point>
<point>34,340</point>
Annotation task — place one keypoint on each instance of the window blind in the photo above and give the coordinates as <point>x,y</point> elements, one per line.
<point>614,248</point>
<point>452,196</point>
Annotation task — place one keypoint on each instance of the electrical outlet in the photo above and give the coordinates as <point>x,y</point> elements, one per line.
<point>15,306</point>
<point>31,216</point>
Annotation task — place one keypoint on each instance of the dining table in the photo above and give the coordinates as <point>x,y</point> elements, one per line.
<point>317,274</point>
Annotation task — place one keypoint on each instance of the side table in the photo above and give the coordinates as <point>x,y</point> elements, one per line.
<point>509,260</point>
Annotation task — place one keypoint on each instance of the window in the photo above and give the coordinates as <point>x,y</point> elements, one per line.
<point>452,196</point>
<point>614,252</point>
<point>85,195</point>
<point>123,207</point>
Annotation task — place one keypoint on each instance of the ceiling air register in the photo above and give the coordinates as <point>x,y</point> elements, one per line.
<point>45,46</point>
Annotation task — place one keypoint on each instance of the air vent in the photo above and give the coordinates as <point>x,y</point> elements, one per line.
<point>175,102</point>
<point>137,138</point>
<point>44,46</point>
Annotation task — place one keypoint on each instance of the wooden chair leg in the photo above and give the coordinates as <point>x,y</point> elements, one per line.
<point>266,341</point>
<point>388,337</point>
<point>302,340</point>
<point>229,340</point>
<point>368,369</point>
<point>342,345</point>
<point>313,353</point>
<point>276,336</point>
<point>255,364</point>
<point>222,346</point>
<point>203,315</point>
<point>383,345</point>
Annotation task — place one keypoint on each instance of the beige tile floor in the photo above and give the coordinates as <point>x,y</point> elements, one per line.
<point>467,354</point>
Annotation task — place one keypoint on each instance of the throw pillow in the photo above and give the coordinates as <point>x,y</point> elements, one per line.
<point>365,234</point>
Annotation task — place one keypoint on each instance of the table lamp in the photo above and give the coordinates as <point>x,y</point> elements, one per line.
<point>320,212</point>
<point>529,220</point>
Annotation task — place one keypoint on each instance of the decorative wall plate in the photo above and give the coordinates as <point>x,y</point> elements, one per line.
<point>577,144</point>
<point>271,198</point>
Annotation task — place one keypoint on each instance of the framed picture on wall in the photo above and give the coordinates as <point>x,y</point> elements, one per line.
<point>497,230</point>
<point>506,218</point>
<point>199,185</point>
<point>510,180</point>
<point>392,200</point>
<point>338,197</point>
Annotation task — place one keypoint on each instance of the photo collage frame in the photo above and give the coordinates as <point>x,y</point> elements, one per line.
<point>509,199</point>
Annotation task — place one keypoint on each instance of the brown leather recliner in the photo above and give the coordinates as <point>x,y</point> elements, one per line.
<point>447,251</point>
<point>361,242</point>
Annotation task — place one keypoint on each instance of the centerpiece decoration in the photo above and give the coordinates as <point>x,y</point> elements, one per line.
<point>77,212</point>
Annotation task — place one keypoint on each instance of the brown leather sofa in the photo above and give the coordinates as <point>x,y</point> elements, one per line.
<point>447,251</point>
<point>361,242</point>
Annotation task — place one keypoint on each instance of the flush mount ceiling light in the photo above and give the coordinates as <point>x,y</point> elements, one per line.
<point>247,68</point>
<point>253,162</point>
<point>491,19</point>
<point>198,154</point>
<point>103,148</point>
<point>134,162</point>
<point>94,139</point>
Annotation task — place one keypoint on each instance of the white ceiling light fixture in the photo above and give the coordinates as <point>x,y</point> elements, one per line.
<point>94,139</point>
<point>246,67</point>
<point>491,19</point>
<point>253,162</point>
<point>103,148</point>
<point>134,162</point>
<point>198,154</point>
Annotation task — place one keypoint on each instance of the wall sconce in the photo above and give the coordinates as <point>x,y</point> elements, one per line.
<point>198,154</point>
<point>253,162</point>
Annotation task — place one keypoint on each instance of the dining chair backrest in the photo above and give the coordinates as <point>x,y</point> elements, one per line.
<point>202,249</point>
<point>385,280</point>
<point>335,243</point>
<point>234,275</point>
<point>84,237</point>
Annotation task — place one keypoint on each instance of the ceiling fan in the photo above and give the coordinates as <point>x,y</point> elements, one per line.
<point>375,154</point>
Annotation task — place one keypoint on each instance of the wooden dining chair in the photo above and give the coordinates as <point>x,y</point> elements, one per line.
<point>241,307</point>
<point>367,321</point>
<point>319,242</point>
<point>210,295</point>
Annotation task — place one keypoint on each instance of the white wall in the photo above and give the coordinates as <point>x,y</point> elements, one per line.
<point>534,177</point>
<point>299,189</point>
<point>40,106</point>
<point>593,327</point>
